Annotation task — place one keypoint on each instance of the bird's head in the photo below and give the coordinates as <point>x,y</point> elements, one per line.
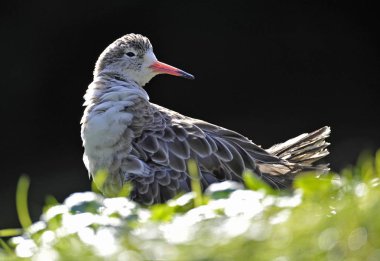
<point>132,57</point>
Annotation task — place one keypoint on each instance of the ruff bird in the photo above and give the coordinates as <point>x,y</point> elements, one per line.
<point>137,141</point>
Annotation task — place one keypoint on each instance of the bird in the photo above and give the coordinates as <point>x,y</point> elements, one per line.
<point>136,141</point>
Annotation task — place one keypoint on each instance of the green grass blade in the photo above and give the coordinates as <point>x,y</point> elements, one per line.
<point>10,232</point>
<point>98,181</point>
<point>125,190</point>
<point>5,246</point>
<point>252,182</point>
<point>377,163</point>
<point>195,182</point>
<point>22,201</point>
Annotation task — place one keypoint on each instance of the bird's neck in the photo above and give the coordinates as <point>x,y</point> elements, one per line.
<point>110,91</point>
<point>136,76</point>
<point>114,75</point>
<point>113,86</point>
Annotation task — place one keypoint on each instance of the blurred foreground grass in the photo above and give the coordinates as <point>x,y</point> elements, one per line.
<point>333,217</point>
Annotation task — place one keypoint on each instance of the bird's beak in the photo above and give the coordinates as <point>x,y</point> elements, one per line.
<point>163,68</point>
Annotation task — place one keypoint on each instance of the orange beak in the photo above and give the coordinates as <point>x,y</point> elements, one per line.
<point>163,68</point>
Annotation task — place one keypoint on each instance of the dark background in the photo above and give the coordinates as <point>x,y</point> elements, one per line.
<point>269,70</point>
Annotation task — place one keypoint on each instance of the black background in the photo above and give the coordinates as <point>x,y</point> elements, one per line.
<point>268,69</point>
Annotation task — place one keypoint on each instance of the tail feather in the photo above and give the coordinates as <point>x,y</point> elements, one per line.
<point>300,153</point>
<point>304,146</point>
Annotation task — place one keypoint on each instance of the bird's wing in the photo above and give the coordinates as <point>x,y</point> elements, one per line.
<point>172,139</point>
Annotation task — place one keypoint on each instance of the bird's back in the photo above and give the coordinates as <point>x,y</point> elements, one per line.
<point>172,139</point>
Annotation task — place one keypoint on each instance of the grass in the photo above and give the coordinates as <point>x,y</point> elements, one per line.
<point>333,217</point>
<point>22,201</point>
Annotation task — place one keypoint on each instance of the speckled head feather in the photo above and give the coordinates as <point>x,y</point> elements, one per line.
<point>115,51</point>
<point>131,58</point>
<point>135,41</point>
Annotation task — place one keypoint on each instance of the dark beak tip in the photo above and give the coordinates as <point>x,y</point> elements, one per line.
<point>187,75</point>
<point>190,77</point>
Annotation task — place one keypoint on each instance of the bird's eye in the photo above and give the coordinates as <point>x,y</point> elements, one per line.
<point>130,54</point>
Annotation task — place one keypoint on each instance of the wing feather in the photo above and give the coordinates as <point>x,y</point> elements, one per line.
<point>150,143</point>
<point>176,162</point>
<point>222,150</point>
<point>180,148</point>
<point>200,146</point>
<point>173,139</point>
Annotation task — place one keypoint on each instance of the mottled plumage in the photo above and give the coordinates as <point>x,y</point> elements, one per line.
<point>149,145</point>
